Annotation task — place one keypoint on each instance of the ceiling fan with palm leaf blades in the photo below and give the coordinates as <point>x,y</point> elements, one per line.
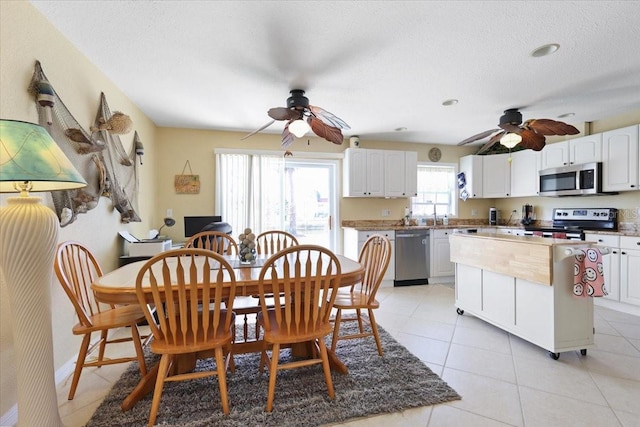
<point>298,112</point>
<point>530,134</point>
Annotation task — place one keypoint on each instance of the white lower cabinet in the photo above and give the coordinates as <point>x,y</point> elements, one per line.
<point>630,270</point>
<point>469,288</point>
<point>621,268</point>
<point>440,264</point>
<point>354,240</point>
<point>498,296</point>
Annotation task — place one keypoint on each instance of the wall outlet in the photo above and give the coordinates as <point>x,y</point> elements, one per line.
<point>474,212</point>
<point>169,213</point>
<point>386,212</point>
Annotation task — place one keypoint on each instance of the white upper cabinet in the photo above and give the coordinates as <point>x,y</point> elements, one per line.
<point>620,159</point>
<point>585,149</point>
<point>411,173</point>
<point>496,176</point>
<point>555,155</point>
<point>379,173</point>
<point>471,166</point>
<point>394,174</point>
<point>363,173</point>
<point>524,173</point>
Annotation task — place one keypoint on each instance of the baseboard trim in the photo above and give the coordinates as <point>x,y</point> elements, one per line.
<point>10,418</point>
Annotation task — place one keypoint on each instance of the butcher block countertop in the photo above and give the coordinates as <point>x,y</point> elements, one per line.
<point>524,257</point>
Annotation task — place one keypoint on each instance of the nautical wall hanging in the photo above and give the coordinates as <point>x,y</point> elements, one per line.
<point>122,184</point>
<point>187,184</point>
<point>92,154</point>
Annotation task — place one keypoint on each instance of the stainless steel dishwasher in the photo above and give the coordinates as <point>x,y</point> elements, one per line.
<point>412,257</point>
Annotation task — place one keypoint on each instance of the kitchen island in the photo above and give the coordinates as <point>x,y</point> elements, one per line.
<point>523,285</point>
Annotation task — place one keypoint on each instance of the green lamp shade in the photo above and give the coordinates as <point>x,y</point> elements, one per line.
<point>29,154</point>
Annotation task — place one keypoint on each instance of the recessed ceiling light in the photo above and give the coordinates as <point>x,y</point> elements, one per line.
<point>545,50</point>
<point>400,129</point>
<point>449,102</point>
<point>565,115</point>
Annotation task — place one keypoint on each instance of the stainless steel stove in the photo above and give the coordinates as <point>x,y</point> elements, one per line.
<point>571,223</point>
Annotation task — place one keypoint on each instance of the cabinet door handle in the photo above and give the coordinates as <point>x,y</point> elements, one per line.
<point>623,253</point>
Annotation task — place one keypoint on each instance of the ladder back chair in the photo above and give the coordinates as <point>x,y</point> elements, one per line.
<point>76,269</point>
<point>215,241</point>
<point>307,278</point>
<point>374,256</point>
<point>193,290</point>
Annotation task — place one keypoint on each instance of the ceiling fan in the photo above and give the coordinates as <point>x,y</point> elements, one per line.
<point>301,117</point>
<point>530,134</point>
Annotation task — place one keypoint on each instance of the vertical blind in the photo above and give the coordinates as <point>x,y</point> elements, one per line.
<point>250,191</point>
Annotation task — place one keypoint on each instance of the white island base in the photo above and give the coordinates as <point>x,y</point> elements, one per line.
<point>523,285</point>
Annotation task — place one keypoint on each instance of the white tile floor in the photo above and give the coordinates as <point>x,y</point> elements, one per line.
<point>503,380</point>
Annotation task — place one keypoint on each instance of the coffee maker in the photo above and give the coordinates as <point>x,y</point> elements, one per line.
<point>527,214</point>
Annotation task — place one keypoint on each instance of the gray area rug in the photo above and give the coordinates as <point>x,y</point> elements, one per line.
<point>374,385</point>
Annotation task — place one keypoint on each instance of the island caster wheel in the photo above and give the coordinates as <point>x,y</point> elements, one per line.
<point>583,352</point>
<point>459,311</point>
<point>554,356</point>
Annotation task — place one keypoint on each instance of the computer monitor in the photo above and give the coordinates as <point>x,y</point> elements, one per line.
<point>194,224</point>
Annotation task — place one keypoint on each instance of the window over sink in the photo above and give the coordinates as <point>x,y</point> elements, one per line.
<point>436,191</point>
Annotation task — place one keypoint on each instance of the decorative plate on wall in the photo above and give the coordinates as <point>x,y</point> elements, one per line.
<point>435,154</point>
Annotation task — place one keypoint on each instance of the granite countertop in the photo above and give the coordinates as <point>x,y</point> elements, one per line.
<point>624,229</point>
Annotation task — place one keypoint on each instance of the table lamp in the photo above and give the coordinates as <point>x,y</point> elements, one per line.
<point>30,160</point>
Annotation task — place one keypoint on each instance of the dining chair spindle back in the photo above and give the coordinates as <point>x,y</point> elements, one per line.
<point>273,241</point>
<point>193,290</point>
<point>215,241</point>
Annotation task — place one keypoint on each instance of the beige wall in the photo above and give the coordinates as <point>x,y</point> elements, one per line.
<point>25,35</point>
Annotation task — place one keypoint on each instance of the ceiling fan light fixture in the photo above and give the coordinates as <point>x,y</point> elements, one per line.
<point>299,128</point>
<point>545,50</point>
<point>510,139</point>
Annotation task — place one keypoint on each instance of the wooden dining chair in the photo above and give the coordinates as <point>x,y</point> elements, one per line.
<point>193,290</point>
<point>215,241</point>
<point>76,268</point>
<point>374,256</point>
<point>270,242</point>
<point>307,277</point>
<point>267,243</point>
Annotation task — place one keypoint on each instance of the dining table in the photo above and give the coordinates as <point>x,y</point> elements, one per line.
<point>119,287</point>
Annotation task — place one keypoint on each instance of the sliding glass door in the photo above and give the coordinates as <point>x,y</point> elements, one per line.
<point>266,192</point>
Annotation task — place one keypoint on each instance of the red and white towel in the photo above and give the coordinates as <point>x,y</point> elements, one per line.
<point>588,274</point>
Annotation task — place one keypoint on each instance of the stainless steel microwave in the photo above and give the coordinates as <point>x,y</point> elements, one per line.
<point>573,180</point>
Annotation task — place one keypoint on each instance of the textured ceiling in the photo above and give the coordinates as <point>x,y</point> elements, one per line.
<point>379,65</point>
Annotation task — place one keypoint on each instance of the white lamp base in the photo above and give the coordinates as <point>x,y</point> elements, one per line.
<point>28,238</point>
